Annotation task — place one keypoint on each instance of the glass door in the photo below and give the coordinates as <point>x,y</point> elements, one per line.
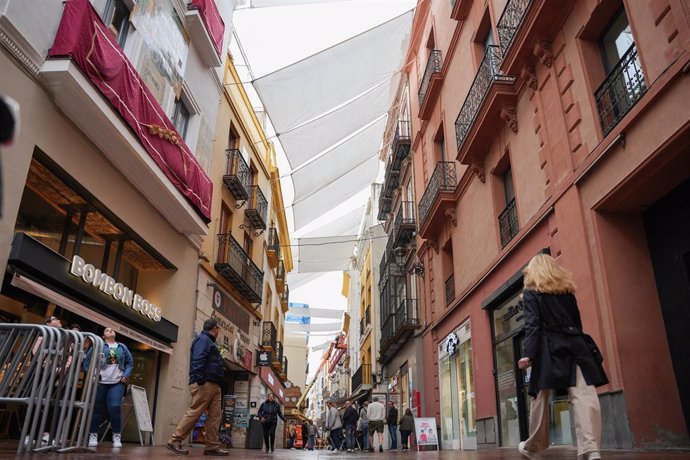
<point>468,423</point>
<point>506,370</point>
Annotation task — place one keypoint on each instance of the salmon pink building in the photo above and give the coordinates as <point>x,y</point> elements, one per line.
<point>559,127</point>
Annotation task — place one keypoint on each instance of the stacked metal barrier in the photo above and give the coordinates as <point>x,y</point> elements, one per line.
<point>40,371</point>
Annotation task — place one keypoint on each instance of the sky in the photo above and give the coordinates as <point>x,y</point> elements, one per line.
<point>274,37</point>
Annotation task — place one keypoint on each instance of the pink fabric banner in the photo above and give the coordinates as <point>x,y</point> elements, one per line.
<point>214,23</point>
<point>84,38</point>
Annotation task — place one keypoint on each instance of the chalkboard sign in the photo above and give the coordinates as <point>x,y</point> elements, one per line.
<point>141,408</point>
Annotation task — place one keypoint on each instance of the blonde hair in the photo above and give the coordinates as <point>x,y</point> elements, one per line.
<point>543,274</point>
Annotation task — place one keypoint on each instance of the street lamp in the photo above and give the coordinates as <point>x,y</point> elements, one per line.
<point>416,269</point>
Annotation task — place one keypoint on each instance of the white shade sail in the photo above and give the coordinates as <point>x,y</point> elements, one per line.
<point>338,161</point>
<point>316,313</point>
<point>346,224</point>
<point>335,193</point>
<point>320,83</point>
<point>325,327</point>
<point>268,3</point>
<point>314,137</point>
<point>327,253</point>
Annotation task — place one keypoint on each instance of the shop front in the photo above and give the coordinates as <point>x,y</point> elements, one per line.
<point>74,259</point>
<point>507,320</point>
<point>456,386</point>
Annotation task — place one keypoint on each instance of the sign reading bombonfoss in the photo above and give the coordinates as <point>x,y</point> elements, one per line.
<point>107,284</point>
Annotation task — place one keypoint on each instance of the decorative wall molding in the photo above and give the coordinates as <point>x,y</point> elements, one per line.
<point>529,74</point>
<point>17,45</point>
<point>542,50</point>
<point>509,115</point>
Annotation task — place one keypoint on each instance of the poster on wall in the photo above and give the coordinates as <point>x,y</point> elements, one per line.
<point>425,432</point>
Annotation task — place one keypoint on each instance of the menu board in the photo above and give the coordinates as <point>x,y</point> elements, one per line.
<point>228,411</point>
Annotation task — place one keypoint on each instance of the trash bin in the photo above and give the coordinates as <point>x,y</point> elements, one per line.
<point>255,434</point>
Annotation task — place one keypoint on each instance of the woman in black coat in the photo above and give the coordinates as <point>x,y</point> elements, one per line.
<point>560,358</point>
<point>269,411</point>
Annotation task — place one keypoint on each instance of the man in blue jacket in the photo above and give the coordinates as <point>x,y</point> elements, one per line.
<point>206,371</point>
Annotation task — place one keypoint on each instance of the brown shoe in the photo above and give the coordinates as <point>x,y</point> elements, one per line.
<point>177,448</point>
<point>218,452</point>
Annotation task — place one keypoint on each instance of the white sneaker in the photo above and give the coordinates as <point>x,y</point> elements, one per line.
<point>526,453</point>
<point>117,441</point>
<point>593,455</point>
<point>93,440</point>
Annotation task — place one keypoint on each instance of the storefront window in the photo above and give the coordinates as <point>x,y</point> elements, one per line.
<point>466,393</point>
<point>449,416</point>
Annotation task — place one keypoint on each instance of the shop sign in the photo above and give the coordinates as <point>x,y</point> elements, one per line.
<point>263,358</point>
<point>110,286</point>
<point>425,431</point>
<point>452,343</point>
<point>228,411</point>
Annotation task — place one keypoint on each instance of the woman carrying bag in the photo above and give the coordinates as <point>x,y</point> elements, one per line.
<point>561,356</point>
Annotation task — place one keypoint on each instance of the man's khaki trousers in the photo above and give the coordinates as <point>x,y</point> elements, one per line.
<point>207,398</point>
<point>584,403</point>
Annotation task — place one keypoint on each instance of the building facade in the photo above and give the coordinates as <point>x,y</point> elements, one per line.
<point>107,189</point>
<point>562,129</point>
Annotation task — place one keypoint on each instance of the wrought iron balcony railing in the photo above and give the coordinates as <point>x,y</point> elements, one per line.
<point>384,206</point>
<point>273,247</point>
<point>392,177</point>
<point>508,223</point>
<point>285,297</point>
<point>443,179</point>
<point>510,22</point>
<point>361,328</point>
<point>285,366</point>
<point>620,91</point>
<point>362,376</point>
<point>400,147</point>
<point>269,336</point>
<point>257,209</point>
<point>489,72</point>
<point>278,355</point>
<point>404,226</point>
<point>450,289</point>
<point>406,314</point>
<point>367,315</point>
<point>280,275</point>
<point>237,177</point>
<point>234,264</point>
<point>387,330</point>
<point>433,65</point>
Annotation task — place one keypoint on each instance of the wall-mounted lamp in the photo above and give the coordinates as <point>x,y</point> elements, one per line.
<point>416,269</point>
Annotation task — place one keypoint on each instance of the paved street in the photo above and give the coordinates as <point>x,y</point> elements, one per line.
<point>160,452</point>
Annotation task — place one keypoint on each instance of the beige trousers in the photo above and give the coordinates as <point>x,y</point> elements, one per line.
<point>586,413</point>
<point>207,398</point>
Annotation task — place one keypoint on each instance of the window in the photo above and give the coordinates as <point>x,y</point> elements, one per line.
<point>248,244</point>
<point>439,145</point>
<point>233,138</point>
<point>225,226</point>
<point>508,220</point>
<point>116,17</point>
<point>615,41</point>
<point>508,189</point>
<point>181,117</point>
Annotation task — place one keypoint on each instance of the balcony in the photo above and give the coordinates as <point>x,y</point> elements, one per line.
<point>277,357</point>
<point>361,379</point>
<point>95,98</point>
<point>460,9</point>
<point>490,93</point>
<point>526,23</point>
<point>508,223</point>
<point>280,276</point>
<point>284,369</point>
<point>387,330</point>
<point>384,206</point>
<point>269,336</point>
<point>405,321</point>
<point>450,289</point>
<point>402,141</point>
<point>431,84</point>
<point>285,298</point>
<point>257,209</point>
<point>404,226</point>
<point>237,177</point>
<point>620,91</point>
<point>391,179</point>
<point>234,264</point>
<point>206,30</point>
<point>273,248</point>
<point>437,197</point>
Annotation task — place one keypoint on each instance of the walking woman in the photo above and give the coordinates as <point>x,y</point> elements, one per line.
<point>269,411</point>
<point>406,428</point>
<point>114,374</point>
<point>560,358</point>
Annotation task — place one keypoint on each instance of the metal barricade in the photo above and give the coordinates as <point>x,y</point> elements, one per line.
<point>40,370</point>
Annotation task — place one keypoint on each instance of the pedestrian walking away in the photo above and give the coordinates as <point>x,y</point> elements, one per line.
<point>269,411</point>
<point>313,432</point>
<point>114,375</point>
<point>335,426</point>
<point>364,425</point>
<point>392,421</point>
<point>406,428</point>
<point>305,434</point>
<point>376,413</point>
<point>350,418</point>
<point>206,371</point>
<point>561,357</point>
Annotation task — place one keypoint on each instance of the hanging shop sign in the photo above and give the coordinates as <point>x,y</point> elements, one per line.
<point>110,286</point>
<point>263,358</point>
<point>452,343</point>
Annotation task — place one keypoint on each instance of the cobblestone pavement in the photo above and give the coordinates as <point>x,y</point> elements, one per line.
<point>7,450</point>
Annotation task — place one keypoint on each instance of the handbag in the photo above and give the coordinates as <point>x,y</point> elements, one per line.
<point>593,348</point>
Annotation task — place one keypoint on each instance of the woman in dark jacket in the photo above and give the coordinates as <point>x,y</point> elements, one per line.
<point>560,358</point>
<point>269,411</point>
<point>406,427</point>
